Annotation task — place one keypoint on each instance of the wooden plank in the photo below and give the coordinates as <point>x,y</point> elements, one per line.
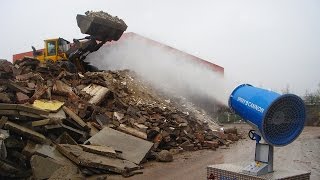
<point>31,115</point>
<point>8,112</point>
<point>8,106</point>
<point>93,130</point>
<point>42,122</point>
<point>15,87</point>
<point>132,131</point>
<point>23,131</point>
<point>31,109</point>
<point>75,117</point>
<point>101,150</point>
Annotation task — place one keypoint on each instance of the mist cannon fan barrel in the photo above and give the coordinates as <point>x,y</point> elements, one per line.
<point>279,119</point>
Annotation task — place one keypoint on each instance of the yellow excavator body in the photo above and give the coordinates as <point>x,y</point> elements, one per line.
<point>54,50</point>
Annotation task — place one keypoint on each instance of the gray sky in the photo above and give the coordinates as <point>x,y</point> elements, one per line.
<point>269,43</point>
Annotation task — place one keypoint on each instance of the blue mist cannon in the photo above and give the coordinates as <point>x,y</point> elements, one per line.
<point>278,119</point>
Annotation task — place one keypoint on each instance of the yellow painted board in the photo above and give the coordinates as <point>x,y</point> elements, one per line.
<point>52,106</point>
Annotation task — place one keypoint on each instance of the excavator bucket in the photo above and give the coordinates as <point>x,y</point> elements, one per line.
<point>101,25</point>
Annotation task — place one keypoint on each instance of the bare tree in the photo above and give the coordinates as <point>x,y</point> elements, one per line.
<point>286,90</point>
<point>313,97</point>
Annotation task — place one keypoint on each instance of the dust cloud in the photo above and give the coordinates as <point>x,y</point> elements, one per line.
<point>165,69</point>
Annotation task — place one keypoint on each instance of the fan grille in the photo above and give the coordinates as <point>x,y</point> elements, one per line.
<point>284,120</point>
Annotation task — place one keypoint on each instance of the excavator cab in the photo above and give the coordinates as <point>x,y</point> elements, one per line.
<point>54,50</point>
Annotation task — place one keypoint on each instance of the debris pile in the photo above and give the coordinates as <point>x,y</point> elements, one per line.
<point>97,122</point>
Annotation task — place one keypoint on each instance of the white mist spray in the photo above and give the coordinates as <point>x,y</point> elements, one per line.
<point>164,69</point>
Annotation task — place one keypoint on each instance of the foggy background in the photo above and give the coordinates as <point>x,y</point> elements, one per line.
<point>270,43</point>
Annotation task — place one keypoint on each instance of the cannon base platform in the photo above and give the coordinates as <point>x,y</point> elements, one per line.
<point>234,172</point>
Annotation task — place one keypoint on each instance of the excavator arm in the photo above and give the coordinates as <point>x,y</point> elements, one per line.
<point>80,50</point>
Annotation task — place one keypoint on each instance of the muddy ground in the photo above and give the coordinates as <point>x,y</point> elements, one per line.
<point>302,154</point>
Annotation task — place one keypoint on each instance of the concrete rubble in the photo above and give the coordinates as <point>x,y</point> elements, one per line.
<point>54,123</point>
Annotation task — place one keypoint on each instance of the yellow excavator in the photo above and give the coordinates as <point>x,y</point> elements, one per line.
<point>101,28</point>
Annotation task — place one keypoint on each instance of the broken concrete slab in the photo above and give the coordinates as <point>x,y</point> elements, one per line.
<point>45,150</point>
<point>67,172</point>
<point>77,155</point>
<point>43,167</point>
<point>26,132</point>
<point>133,149</point>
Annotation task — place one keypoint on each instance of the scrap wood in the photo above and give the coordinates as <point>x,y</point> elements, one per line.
<point>97,92</point>
<point>132,131</point>
<point>101,150</point>
<point>23,131</point>
<point>75,117</point>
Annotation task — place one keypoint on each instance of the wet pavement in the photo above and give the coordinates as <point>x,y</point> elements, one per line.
<point>302,154</point>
